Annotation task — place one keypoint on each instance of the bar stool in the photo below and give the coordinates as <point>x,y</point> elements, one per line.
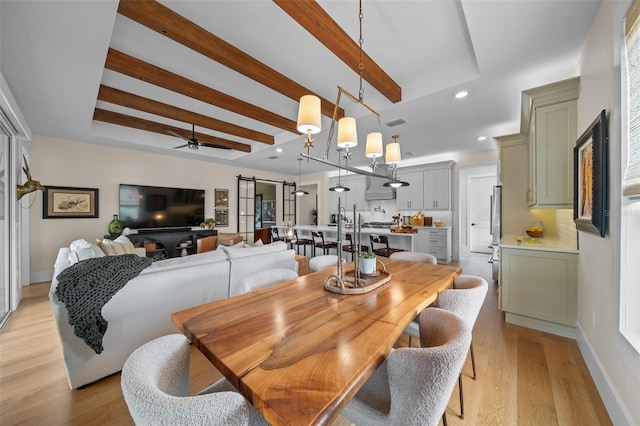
<point>304,242</point>
<point>319,242</point>
<point>275,236</point>
<point>385,251</point>
<point>352,248</point>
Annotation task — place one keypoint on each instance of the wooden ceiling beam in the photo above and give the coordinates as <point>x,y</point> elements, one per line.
<point>165,21</point>
<point>163,129</point>
<point>133,67</point>
<point>129,100</point>
<point>318,23</point>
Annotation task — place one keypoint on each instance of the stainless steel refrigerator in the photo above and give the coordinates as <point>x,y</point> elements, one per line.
<point>496,230</point>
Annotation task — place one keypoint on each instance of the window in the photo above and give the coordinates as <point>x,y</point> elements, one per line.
<point>629,206</point>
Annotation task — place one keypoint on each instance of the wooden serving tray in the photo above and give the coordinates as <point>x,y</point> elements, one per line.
<point>371,282</point>
<point>404,230</point>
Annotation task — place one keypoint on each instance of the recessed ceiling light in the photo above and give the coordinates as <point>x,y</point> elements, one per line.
<point>278,149</point>
<point>461,94</point>
<point>482,138</point>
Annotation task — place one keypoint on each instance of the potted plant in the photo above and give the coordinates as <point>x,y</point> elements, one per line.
<point>367,262</point>
<point>210,223</point>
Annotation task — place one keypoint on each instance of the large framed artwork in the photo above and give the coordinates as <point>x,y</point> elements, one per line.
<point>590,178</point>
<point>63,202</point>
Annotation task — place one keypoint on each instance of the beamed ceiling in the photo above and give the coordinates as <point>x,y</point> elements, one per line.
<point>135,73</point>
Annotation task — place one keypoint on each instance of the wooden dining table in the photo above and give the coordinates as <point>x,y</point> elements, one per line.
<point>298,352</point>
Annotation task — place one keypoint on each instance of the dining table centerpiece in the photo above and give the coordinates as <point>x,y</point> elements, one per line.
<point>354,281</point>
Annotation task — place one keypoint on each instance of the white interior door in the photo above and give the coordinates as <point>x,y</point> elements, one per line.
<point>479,191</point>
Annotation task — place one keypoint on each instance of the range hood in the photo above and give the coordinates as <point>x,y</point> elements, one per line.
<point>375,190</point>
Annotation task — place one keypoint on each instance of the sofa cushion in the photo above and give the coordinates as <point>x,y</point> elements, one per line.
<point>185,261</point>
<point>237,252</point>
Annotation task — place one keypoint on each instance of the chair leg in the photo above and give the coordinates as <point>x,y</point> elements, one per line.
<point>444,419</point>
<point>410,336</point>
<point>461,396</point>
<point>473,360</point>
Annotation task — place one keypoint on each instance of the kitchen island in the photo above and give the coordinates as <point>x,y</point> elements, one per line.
<point>432,240</point>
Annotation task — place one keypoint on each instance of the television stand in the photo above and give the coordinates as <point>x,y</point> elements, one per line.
<point>168,241</point>
<point>158,230</point>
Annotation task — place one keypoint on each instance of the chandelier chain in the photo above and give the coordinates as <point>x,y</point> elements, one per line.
<point>360,42</point>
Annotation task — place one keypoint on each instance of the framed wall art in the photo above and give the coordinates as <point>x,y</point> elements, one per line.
<point>590,178</point>
<point>222,217</point>
<point>62,202</point>
<point>222,198</point>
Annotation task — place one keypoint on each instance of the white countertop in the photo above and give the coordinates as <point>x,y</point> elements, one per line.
<point>380,231</point>
<point>541,244</point>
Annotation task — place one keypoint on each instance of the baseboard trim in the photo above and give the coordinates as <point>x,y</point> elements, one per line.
<point>617,412</point>
<point>541,325</point>
<point>38,277</point>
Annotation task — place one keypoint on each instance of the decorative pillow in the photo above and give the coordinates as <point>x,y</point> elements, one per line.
<point>85,253</point>
<point>258,243</point>
<point>78,244</point>
<point>121,245</point>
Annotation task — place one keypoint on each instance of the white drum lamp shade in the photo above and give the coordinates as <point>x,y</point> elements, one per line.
<point>347,133</point>
<point>374,145</point>
<point>309,117</point>
<point>393,153</point>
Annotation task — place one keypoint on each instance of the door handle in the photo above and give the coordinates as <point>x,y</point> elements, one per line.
<point>473,224</point>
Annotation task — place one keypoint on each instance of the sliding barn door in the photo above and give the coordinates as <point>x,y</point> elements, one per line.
<point>247,208</point>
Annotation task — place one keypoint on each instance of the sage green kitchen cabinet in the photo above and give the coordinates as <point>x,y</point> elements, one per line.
<point>539,289</point>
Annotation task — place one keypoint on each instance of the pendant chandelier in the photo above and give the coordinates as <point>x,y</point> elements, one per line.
<point>339,187</point>
<point>309,122</point>
<point>299,190</point>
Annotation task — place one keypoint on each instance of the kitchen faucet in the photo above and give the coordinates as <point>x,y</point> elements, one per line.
<point>344,216</point>
<point>378,209</point>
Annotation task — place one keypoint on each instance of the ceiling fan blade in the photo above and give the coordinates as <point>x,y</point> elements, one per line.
<point>181,146</point>
<point>177,135</point>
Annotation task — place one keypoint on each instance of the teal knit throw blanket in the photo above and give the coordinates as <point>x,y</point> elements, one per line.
<point>87,286</point>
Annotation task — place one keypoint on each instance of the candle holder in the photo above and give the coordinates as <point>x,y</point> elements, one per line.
<point>354,282</point>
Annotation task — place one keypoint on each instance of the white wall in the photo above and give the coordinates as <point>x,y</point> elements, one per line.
<point>613,366</point>
<point>57,162</point>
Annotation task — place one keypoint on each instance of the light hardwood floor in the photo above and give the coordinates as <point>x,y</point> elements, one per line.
<point>525,377</point>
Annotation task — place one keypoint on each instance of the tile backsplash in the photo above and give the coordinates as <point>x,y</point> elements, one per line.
<point>566,228</point>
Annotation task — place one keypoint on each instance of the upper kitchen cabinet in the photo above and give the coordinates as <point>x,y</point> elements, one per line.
<point>412,196</point>
<point>437,189</point>
<point>429,187</point>
<point>551,115</point>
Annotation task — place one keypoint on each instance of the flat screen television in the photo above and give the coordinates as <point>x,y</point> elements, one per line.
<point>144,207</point>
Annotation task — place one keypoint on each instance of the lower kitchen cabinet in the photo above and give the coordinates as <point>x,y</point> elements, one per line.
<point>539,289</point>
<point>434,241</point>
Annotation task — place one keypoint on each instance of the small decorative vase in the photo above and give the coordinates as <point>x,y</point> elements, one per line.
<point>115,226</point>
<point>367,266</point>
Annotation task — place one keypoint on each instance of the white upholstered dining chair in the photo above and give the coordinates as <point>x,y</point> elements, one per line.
<point>465,299</point>
<point>414,257</point>
<point>155,385</point>
<point>322,262</point>
<point>413,385</point>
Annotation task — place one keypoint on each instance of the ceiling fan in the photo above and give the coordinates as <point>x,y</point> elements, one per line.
<point>192,142</point>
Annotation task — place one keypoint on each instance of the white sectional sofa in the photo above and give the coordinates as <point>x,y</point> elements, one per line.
<point>141,310</point>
